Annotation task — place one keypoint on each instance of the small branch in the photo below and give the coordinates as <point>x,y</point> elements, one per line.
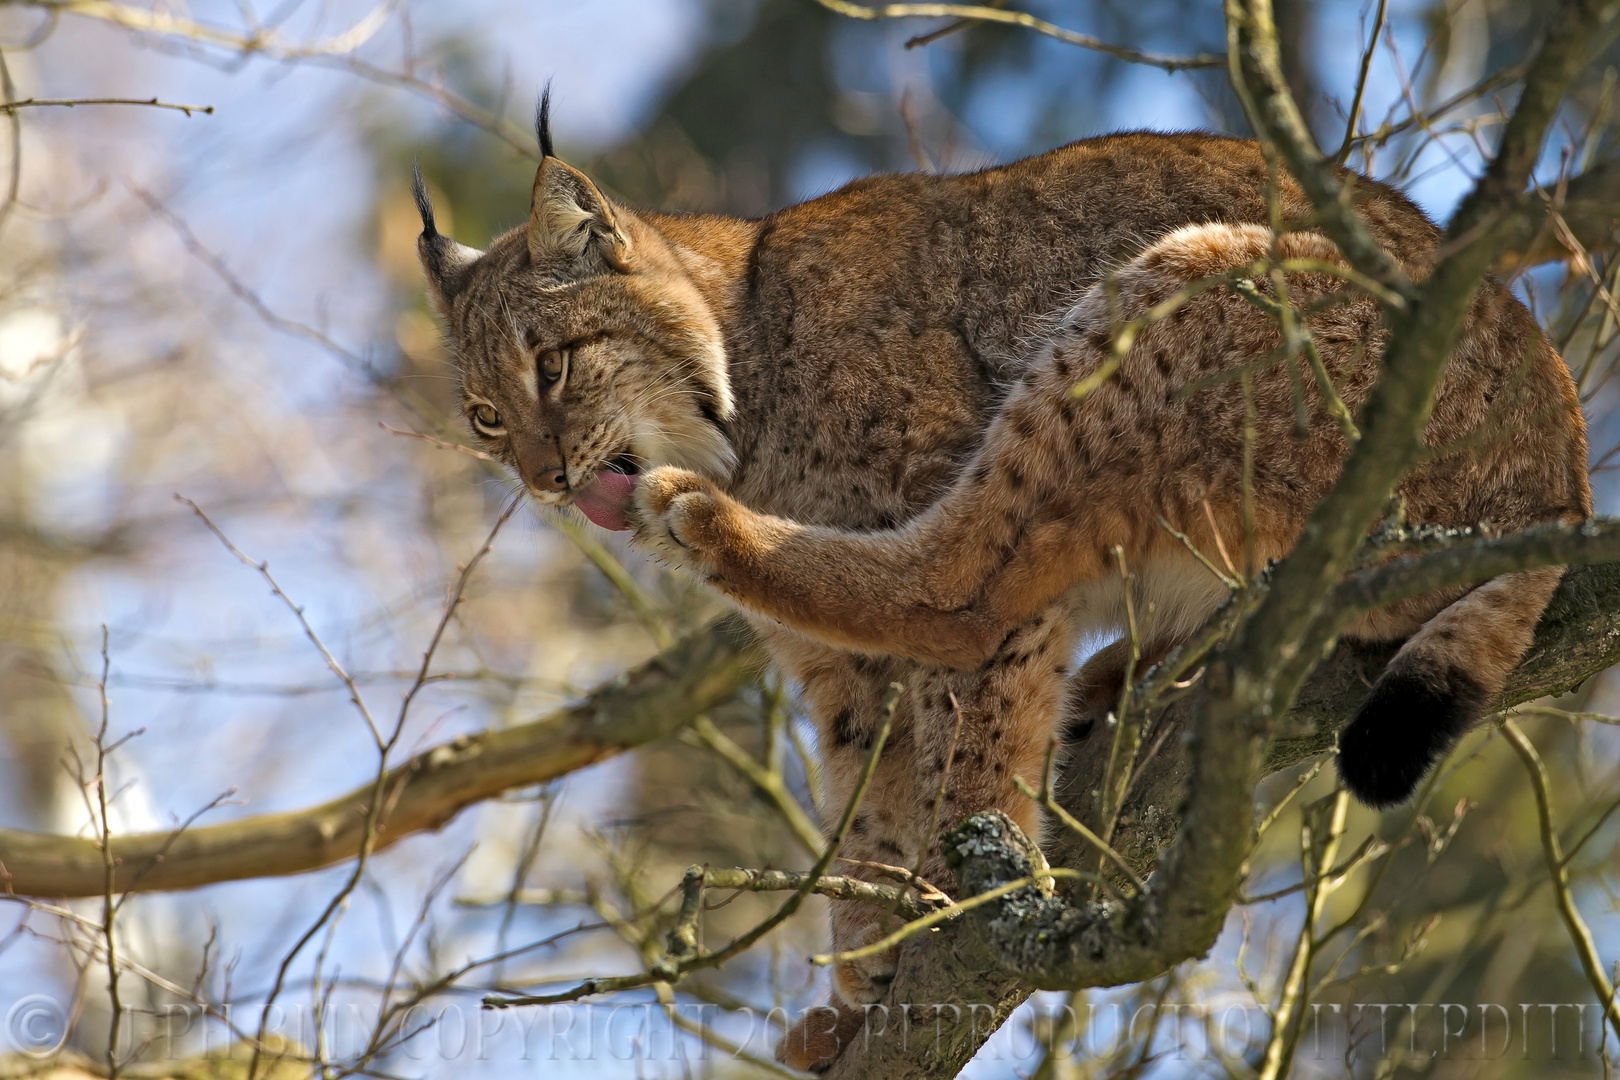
<point>1320,835</point>
<point>263,568</point>
<point>109,906</point>
<point>1127,741</point>
<point>457,593</point>
<point>442,444</point>
<point>678,966</point>
<point>642,605</point>
<point>154,103</point>
<point>1370,848</point>
<point>1282,804</point>
<point>8,89</point>
<point>767,781</point>
<point>897,898</point>
<point>982,13</point>
<point>1297,341</point>
<point>1231,583</point>
<point>934,918</point>
<point>948,29</point>
<point>1558,871</point>
<point>1350,122</point>
<point>738,1052</point>
<point>1051,806</point>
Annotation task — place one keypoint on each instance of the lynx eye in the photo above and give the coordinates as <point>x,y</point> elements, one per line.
<point>486,419</point>
<point>552,364</point>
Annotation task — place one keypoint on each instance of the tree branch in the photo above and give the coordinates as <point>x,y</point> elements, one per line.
<point>968,964</point>
<point>1590,206</point>
<point>986,13</point>
<point>30,103</point>
<point>652,701</point>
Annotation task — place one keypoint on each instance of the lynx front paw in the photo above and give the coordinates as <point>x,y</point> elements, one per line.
<point>690,523</point>
<point>674,515</point>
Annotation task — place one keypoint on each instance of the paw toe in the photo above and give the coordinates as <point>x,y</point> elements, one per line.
<point>658,489</point>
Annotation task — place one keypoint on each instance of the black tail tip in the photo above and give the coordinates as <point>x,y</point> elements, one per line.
<point>1407,723</point>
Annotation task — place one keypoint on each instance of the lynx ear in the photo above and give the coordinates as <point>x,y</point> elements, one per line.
<point>572,222</point>
<point>445,261</point>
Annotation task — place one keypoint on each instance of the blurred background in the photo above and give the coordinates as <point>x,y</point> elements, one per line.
<point>227,306</point>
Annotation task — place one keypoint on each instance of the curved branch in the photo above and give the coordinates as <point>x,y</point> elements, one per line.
<point>655,699</point>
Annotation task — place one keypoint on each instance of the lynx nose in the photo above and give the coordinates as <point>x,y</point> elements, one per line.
<point>549,478</point>
<point>539,463</point>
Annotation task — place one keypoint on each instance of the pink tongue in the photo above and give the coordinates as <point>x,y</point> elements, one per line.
<point>606,500</point>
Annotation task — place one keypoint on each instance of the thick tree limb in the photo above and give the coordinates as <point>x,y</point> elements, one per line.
<point>1052,943</point>
<point>425,792</point>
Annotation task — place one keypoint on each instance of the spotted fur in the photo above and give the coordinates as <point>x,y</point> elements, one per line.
<point>855,418</point>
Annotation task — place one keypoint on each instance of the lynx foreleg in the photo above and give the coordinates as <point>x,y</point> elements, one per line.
<point>1059,480</point>
<point>947,587</point>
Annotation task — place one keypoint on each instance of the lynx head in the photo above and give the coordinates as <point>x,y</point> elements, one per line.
<point>585,351</point>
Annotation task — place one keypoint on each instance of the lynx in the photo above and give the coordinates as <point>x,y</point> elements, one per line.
<point>856,418</point>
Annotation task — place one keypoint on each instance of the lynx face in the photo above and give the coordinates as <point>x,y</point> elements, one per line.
<point>585,352</point>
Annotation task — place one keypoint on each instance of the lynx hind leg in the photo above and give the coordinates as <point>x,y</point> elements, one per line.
<point>1439,685</point>
<point>1008,709</point>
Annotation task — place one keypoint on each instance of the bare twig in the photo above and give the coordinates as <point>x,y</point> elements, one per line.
<point>983,13</point>
<point>30,103</point>
<point>442,444</point>
<point>934,918</point>
<point>332,663</point>
<point>8,90</point>
<point>1558,872</point>
<point>1053,807</point>
<point>109,908</point>
<point>948,29</point>
<point>680,966</point>
<point>768,781</point>
<point>1350,122</point>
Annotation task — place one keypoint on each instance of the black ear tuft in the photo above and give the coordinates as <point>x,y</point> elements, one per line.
<point>542,122</point>
<point>424,205</point>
